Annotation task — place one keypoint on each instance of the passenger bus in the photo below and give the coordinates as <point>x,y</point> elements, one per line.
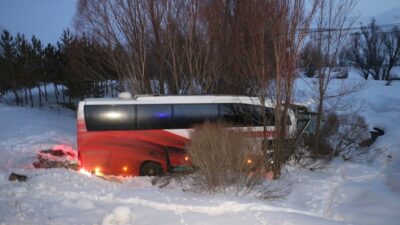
<point>147,135</point>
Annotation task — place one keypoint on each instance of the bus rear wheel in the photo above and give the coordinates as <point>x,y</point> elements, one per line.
<point>151,169</point>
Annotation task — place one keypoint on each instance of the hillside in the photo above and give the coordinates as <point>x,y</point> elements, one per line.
<point>342,193</point>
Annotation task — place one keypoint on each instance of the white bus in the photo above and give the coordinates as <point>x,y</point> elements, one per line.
<point>147,135</point>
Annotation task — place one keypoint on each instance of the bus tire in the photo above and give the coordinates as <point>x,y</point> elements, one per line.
<point>151,169</point>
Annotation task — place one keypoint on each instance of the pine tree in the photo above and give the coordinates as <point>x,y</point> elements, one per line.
<point>23,70</point>
<point>37,64</point>
<point>8,66</point>
<point>49,65</point>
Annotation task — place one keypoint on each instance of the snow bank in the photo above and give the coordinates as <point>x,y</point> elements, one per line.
<point>343,193</point>
<point>24,131</point>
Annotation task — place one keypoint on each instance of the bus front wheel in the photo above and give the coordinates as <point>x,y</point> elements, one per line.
<point>151,169</point>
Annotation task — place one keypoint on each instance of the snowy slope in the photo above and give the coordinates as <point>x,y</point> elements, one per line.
<point>344,193</point>
<point>25,130</point>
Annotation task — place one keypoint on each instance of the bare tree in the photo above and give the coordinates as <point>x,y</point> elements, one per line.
<point>259,59</point>
<point>333,23</point>
<point>288,32</point>
<point>310,55</point>
<point>366,51</point>
<point>276,34</point>
<point>391,41</point>
<point>151,43</point>
<point>228,35</point>
<point>156,15</point>
<point>202,65</point>
<point>122,27</point>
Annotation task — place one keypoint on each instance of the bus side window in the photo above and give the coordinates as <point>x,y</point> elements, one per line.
<point>187,115</point>
<point>154,117</point>
<point>270,116</point>
<point>233,114</point>
<point>245,115</point>
<point>109,117</point>
<point>257,116</point>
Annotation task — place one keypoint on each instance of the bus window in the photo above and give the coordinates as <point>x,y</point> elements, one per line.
<point>109,117</point>
<point>270,116</point>
<point>154,117</point>
<point>187,115</point>
<point>245,115</point>
<point>234,114</point>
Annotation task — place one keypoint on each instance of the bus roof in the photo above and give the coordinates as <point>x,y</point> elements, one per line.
<point>177,99</point>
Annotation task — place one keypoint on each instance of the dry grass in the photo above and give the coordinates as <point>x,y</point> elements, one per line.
<point>221,157</point>
<point>347,142</point>
<point>341,136</point>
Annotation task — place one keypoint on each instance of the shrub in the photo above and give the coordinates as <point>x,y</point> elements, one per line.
<point>221,157</point>
<point>340,136</point>
<point>322,148</point>
<point>352,131</point>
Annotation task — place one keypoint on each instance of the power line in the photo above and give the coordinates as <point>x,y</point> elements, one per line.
<point>324,30</point>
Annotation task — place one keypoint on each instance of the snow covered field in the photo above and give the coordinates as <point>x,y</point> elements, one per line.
<point>343,193</point>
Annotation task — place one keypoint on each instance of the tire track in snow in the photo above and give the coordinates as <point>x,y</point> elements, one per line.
<point>333,196</point>
<point>331,199</point>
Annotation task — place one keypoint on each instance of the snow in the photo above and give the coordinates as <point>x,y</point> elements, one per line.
<point>25,130</point>
<point>120,215</point>
<point>342,193</point>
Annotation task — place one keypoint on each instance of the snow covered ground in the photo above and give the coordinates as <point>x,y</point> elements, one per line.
<point>343,193</point>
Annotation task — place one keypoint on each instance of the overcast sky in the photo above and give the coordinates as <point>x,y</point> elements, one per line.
<point>374,7</point>
<point>44,18</point>
<point>47,18</point>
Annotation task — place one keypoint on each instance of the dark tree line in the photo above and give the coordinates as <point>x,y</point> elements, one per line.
<point>26,64</point>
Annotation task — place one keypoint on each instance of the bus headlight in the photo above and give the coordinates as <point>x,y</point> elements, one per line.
<point>97,171</point>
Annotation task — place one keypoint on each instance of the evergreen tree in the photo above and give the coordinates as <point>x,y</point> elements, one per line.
<point>24,64</point>
<point>36,57</point>
<point>8,66</point>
